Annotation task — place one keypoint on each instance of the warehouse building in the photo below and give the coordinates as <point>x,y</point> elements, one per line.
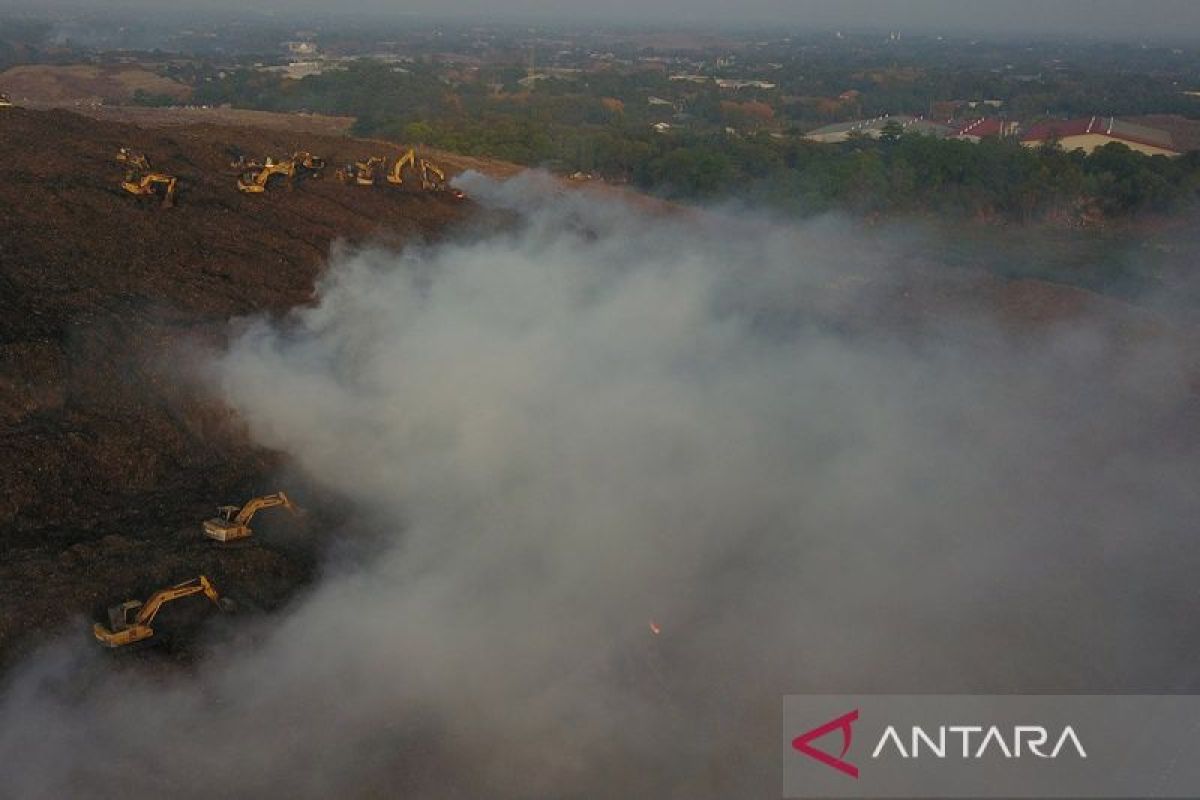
<point>1088,133</point>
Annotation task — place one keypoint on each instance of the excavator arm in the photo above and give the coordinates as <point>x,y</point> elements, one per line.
<point>168,183</point>
<point>259,503</point>
<point>396,173</point>
<point>199,585</point>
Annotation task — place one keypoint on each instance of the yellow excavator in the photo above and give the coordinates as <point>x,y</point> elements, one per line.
<point>395,175</point>
<point>233,523</point>
<point>433,179</point>
<point>363,173</point>
<point>130,621</point>
<point>134,159</point>
<point>257,181</point>
<point>150,184</point>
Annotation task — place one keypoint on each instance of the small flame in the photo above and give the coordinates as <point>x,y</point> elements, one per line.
<point>654,628</point>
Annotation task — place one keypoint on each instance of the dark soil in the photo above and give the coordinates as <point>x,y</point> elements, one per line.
<point>110,457</point>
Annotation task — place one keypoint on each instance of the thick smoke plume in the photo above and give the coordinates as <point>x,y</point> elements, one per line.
<point>563,432</point>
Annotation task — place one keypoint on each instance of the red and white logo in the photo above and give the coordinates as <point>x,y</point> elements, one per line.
<point>844,723</point>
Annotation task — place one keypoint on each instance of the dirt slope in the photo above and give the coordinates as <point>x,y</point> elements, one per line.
<point>175,116</point>
<point>113,83</point>
<point>108,458</point>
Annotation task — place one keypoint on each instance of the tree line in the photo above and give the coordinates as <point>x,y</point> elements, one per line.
<point>551,127</point>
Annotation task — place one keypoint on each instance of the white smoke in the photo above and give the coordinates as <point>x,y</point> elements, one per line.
<point>606,417</point>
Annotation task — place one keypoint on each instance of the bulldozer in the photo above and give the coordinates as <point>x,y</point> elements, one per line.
<point>134,159</point>
<point>5,102</point>
<point>233,523</point>
<point>151,184</point>
<point>256,182</point>
<point>130,622</point>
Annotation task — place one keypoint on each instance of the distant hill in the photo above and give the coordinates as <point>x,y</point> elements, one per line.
<point>87,82</point>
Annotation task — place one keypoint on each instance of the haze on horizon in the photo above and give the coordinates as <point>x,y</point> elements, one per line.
<point>1176,19</point>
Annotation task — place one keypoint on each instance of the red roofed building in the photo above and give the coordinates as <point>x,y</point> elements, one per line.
<point>1088,133</point>
<point>976,129</point>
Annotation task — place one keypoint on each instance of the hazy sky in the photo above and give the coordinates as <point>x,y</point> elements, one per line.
<point>1082,16</point>
<point>1107,18</point>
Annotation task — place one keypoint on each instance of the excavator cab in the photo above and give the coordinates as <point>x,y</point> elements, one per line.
<point>226,513</point>
<point>121,616</point>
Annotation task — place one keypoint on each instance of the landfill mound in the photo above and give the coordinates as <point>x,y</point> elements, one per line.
<point>113,453</point>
